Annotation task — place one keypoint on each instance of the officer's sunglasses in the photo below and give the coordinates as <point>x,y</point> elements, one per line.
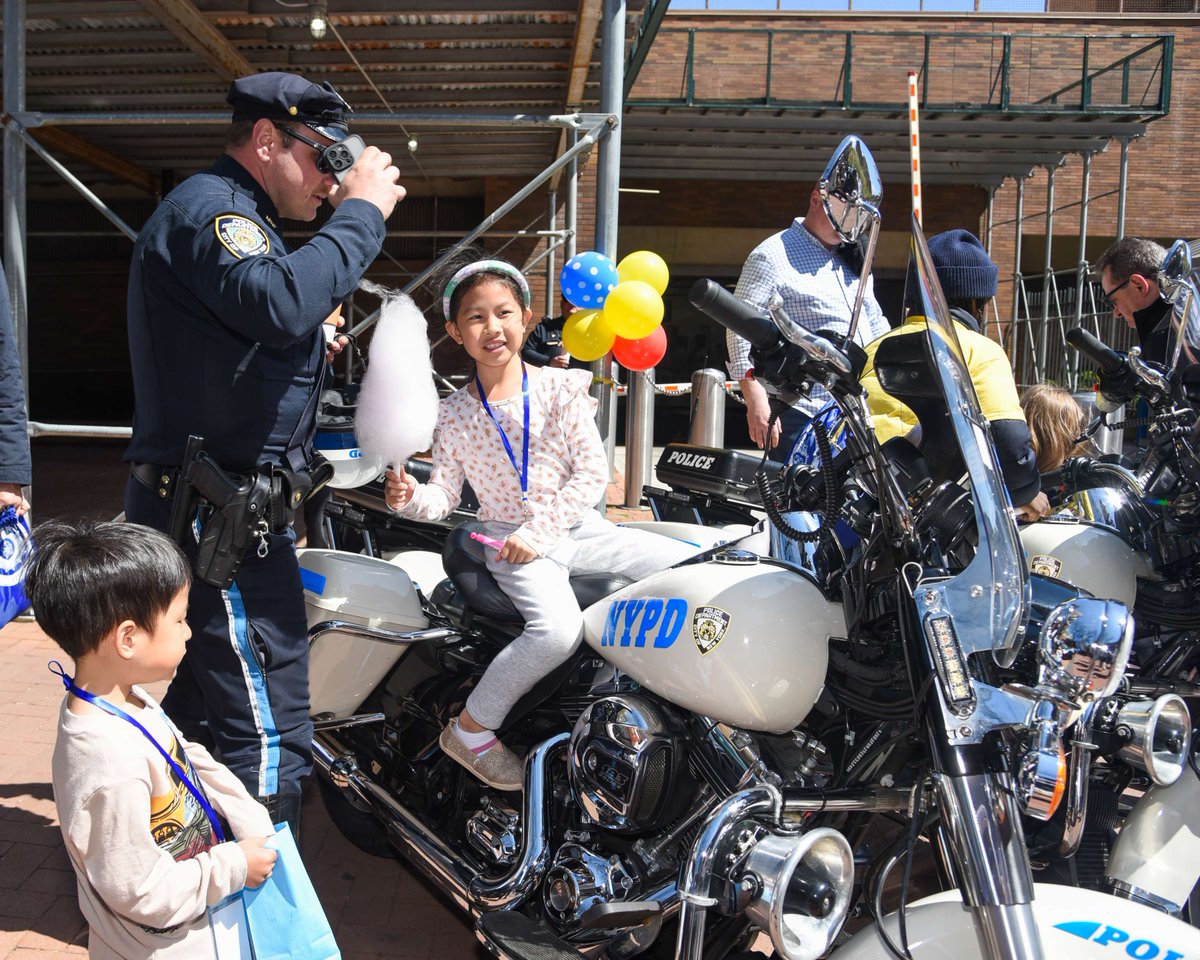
<point>335,158</point>
<point>1109,294</point>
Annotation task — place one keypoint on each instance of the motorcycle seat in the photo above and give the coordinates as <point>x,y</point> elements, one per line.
<point>466,566</point>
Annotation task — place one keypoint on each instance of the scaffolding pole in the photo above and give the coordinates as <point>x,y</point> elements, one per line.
<point>608,181</point>
<point>1122,188</point>
<point>551,246</point>
<point>597,131</point>
<point>1014,330</point>
<point>1081,280</point>
<point>15,264</point>
<point>1039,359</point>
<point>80,187</point>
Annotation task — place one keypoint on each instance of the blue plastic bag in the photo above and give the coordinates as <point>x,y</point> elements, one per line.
<point>285,917</point>
<point>14,535</point>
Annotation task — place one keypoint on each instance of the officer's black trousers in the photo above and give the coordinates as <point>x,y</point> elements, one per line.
<point>245,673</point>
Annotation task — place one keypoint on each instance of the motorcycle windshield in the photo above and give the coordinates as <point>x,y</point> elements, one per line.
<point>987,599</point>
<point>1180,285</point>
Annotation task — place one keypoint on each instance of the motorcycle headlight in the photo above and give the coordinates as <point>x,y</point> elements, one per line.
<point>1083,648</point>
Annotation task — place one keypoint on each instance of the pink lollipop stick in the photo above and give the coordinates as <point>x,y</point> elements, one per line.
<point>487,541</point>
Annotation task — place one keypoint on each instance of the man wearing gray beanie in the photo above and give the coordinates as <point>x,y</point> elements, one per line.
<point>968,280</point>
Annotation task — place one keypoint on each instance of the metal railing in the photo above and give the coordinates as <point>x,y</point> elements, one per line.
<point>961,72</point>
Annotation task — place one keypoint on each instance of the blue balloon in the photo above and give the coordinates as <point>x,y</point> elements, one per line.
<point>587,279</point>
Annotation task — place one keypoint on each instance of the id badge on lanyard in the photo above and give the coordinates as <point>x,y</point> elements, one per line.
<point>230,928</point>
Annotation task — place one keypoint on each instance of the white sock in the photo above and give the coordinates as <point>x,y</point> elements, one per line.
<point>478,743</point>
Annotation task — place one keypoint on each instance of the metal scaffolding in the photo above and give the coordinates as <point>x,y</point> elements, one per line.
<point>1039,319</point>
<point>585,130</point>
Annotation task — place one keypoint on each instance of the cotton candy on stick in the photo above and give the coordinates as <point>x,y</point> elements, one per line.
<point>397,405</point>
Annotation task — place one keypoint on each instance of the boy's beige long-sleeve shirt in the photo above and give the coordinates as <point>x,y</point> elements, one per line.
<point>143,850</point>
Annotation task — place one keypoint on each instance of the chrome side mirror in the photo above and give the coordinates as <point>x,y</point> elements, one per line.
<point>851,189</point>
<point>1083,648</point>
<point>1175,272</point>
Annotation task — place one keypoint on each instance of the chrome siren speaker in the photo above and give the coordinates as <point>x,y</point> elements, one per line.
<point>624,763</point>
<point>803,885</point>
<point>1152,735</point>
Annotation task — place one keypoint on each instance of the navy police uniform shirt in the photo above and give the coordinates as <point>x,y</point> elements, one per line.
<point>225,324</point>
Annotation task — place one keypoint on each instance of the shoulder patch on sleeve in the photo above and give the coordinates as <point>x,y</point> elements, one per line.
<point>240,235</point>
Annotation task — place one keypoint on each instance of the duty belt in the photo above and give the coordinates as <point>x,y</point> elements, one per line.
<point>154,477</point>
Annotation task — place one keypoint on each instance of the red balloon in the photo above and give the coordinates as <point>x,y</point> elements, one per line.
<point>641,354</point>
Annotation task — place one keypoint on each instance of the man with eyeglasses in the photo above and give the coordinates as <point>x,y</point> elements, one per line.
<point>1128,276</point>
<point>226,342</point>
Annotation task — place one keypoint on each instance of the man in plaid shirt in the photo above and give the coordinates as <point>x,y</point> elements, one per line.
<point>818,286</point>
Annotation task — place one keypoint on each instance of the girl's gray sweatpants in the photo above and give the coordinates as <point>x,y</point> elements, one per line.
<point>541,592</point>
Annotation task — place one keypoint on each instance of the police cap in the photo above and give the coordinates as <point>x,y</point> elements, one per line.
<point>288,96</point>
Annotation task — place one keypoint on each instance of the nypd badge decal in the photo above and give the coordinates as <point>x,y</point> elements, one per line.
<point>241,236</point>
<point>1045,566</point>
<point>709,626</point>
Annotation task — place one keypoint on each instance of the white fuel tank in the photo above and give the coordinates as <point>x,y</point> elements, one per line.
<point>1157,854</point>
<point>700,537</point>
<point>344,669</point>
<point>1074,923</point>
<point>743,642</point>
<point>1085,555</point>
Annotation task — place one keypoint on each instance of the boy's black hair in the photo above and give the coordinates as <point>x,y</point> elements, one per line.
<point>461,258</point>
<point>85,578</point>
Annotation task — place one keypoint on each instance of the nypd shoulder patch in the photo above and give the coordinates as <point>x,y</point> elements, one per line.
<point>241,236</point>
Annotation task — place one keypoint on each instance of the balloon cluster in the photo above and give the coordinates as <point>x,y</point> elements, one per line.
<point>620,308</point>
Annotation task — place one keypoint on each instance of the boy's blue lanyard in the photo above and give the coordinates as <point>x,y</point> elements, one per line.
<point>195,791</point>
<point>523,469</point>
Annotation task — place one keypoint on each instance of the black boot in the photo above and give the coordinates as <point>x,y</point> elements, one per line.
<point>284,807</point>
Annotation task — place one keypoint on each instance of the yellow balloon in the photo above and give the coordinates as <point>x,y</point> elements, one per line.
<point>646,266</point>
<point>633,309</point>
<point>586,336</point>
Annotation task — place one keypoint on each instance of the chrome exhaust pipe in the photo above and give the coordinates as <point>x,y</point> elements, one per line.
<point>428,852</point>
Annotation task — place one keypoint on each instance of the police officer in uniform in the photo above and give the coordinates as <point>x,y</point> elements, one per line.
<point>226,342</point>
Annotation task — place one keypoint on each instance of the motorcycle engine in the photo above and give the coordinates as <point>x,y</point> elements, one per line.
<point>625,762</point>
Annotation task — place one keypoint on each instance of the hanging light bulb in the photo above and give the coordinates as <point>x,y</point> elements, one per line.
<point>318,19</point>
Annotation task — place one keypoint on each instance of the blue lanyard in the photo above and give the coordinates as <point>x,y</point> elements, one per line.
<point>523,469</point>
<point>195,791</point>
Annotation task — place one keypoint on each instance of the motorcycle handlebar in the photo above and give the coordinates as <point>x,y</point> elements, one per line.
<point>1106,358</point>
<point>1079,473</point>
<point>746,321</point>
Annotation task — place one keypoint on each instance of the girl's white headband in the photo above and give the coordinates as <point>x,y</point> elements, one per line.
<point>485,266</point>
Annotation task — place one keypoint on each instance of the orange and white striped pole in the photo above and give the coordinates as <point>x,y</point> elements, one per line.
<point>914,144</point>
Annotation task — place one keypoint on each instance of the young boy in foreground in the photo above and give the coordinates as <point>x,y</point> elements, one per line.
<point>148,862</point>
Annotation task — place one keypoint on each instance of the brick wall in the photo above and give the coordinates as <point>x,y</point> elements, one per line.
<point>1163,198</point>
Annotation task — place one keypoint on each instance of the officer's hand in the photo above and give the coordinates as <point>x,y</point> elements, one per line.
<point>373,178</point>
<point>758,414</point>
<point>562,361</point>
<point>11,496</point>
<point>398,489</point>
<point>333,343</point>
<point>516,550</point>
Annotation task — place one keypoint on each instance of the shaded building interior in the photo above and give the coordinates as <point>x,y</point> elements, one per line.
<point>728,120</point>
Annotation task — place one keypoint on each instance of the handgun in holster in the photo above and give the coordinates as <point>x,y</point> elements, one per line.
<point>231,512</point>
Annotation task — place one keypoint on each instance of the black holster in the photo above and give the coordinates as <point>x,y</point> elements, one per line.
<point>230,511</point>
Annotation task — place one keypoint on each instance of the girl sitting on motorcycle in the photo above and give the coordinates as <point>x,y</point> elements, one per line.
<point>526,440</point>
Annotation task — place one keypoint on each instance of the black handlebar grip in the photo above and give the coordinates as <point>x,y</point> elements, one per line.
<point>1107,359</point>
<point>746,321</point>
